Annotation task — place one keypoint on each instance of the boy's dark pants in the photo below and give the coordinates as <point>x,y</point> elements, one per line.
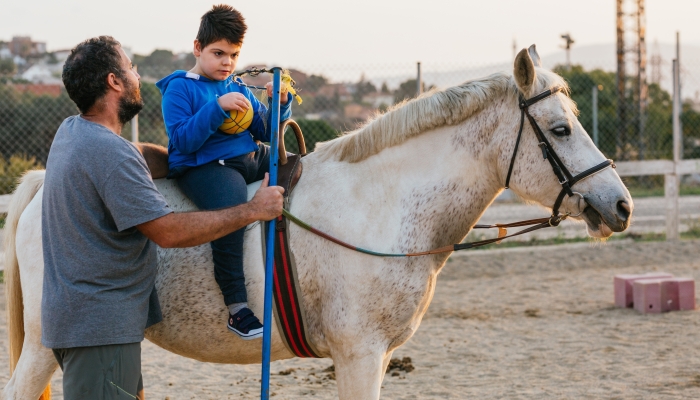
<point>213,186</point>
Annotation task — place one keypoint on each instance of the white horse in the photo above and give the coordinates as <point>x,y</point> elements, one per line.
<point>416,178</point>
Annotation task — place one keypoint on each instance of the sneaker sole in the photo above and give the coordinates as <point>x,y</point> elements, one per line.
<point>254,334</point>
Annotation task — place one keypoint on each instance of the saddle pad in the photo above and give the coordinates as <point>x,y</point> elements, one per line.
<point>289,312</point>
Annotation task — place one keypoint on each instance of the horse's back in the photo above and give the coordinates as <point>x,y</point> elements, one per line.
<point>194,313</point>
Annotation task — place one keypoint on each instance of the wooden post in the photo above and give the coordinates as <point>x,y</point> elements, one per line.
<point>419,80</point>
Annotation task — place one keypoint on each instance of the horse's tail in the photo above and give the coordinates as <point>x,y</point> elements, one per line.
<point>30,184</point>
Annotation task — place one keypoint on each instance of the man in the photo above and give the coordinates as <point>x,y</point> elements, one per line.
<point>100,208</point>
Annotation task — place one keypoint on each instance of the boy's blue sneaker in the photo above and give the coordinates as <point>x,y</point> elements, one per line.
<point>245,324</point>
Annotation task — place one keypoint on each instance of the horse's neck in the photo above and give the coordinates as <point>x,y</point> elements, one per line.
<point>433,187</point>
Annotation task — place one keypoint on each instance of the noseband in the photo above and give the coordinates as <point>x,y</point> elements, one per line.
<point>563,175</point>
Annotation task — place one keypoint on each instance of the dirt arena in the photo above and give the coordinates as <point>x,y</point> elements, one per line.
<point>524,323</point>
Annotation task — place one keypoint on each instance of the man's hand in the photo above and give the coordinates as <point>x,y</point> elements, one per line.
<point>267,201</point>
<point>234,101</point>
<point>284,97</point>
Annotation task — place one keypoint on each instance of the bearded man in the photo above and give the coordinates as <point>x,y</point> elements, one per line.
<point>101,214</point>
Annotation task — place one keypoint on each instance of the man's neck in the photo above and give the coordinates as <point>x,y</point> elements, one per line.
<point>106,119</point>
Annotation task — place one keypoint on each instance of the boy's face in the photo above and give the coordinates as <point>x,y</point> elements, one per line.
<point>217,60</point>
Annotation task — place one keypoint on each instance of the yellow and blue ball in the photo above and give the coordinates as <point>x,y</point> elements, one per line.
<point>238,122</point>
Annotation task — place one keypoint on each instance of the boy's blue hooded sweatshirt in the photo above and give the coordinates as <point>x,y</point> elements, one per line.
<point>193,116</point>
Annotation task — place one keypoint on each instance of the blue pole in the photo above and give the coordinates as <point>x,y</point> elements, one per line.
<point>270,243</point>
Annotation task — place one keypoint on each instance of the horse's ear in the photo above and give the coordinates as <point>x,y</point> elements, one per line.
<point>524,72</point>
<point>532,50</point>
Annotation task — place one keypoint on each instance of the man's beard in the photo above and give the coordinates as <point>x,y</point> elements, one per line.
<point>130,104</point>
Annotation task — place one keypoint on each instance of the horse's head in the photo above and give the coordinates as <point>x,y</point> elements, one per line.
<point>599,196</point>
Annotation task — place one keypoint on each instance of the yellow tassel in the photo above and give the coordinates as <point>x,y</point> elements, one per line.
<point>288,85</point>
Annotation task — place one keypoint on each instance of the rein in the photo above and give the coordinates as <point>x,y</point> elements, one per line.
<point>563,175</point>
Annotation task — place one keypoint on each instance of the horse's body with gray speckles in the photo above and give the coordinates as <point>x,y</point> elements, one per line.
<point>416,178</point>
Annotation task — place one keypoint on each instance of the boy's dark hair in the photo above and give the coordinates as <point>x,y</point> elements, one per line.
<point>221,22</point>
<point>86,69</point>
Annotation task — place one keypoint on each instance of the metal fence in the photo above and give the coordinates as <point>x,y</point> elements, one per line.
<point>339,98</point>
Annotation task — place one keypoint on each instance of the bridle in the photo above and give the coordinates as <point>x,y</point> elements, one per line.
<point>563,175</point>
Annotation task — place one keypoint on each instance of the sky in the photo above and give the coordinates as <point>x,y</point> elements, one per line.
<point>298,33</point>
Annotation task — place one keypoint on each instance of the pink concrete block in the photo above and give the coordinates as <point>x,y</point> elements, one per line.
<point>623,286</point>
<point>650,296</point>
<point>682,293</point>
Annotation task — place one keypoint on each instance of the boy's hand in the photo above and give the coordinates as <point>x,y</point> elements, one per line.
<point>283,94</point>
<point>233,101</point>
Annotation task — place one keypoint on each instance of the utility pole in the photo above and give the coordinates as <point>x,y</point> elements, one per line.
<point>631,51</point>
<point>642,88</point>
<point>620,83</point>
<point>568,42</point>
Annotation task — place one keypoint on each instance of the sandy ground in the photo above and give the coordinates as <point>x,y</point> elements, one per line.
<point>523,323</point>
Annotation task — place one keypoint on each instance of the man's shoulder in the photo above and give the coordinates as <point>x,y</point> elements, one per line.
<point>94,146</point>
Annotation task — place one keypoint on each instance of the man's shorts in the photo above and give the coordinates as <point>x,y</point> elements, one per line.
<point>101,372</point>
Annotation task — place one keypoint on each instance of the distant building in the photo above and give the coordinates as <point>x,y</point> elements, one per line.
<point>378,99</point>
<point>342,90</point>
<point>358,111</point>
<point>44,72</point>
<point>5,52</point>
<point>38,89</point>
<point>23,46</point>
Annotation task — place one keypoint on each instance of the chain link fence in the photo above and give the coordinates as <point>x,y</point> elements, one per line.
<point>339,98</point>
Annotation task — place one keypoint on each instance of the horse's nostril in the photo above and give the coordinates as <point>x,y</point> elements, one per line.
<point>623,210</point>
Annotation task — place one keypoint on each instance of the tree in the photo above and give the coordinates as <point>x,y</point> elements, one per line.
<point>362,88</point>
<point>385,88</point>
<point>315,82</point>
<point>7,67</point>
<point>657,136</point>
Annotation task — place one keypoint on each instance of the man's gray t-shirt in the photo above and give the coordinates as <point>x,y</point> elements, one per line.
<point>99,270</point>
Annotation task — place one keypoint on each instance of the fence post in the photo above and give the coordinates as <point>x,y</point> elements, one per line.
<point>419,80</point>
<point>595,114</point>
<point>672,181</point>
<point>135,122</point>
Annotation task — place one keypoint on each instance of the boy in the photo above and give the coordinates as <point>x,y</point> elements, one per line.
<point>212,167</point>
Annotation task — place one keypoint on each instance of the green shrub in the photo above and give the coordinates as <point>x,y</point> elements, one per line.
<point>12,170</point>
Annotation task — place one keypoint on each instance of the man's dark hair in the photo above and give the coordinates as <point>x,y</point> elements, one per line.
<point>221,22</point>
<point>86,69</point>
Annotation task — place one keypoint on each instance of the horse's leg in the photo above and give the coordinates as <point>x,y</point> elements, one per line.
<point>36,363</point>
<point>359,376</point>
<point>387,359</point>
<point>33,373</point>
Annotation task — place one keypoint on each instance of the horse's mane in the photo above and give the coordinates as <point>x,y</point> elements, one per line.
<point>429,111</point>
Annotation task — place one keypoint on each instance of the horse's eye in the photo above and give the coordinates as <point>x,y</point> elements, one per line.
<point>561,131</point>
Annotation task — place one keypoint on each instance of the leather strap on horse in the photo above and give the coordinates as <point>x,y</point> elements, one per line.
<point>289,312</point>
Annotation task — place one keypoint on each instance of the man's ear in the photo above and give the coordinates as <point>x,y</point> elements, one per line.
<point>114,83</point>
<point>197,50</point>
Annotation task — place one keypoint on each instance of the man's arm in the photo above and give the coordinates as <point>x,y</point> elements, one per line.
<point>195,228</point>
<point>156,158</point>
